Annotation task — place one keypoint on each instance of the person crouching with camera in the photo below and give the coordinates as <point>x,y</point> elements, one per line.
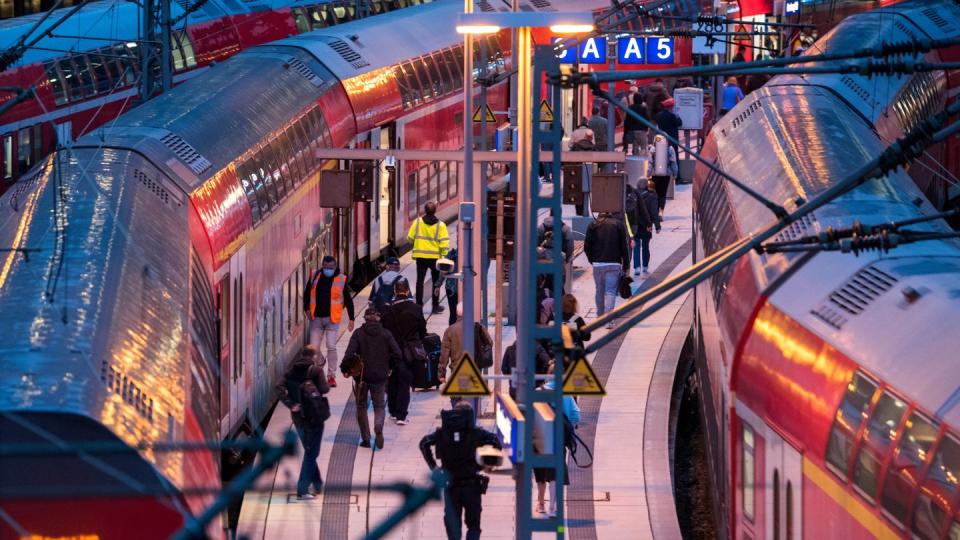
<point>456,442</point>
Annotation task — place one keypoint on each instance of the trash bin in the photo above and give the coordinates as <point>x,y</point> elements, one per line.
<point>636,167</point>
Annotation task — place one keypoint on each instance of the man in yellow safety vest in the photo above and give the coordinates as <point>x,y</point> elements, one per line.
<point>430,242</point>
<point>324,298</point>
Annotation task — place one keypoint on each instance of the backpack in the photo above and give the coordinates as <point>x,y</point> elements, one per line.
<point>384,295</point>
<point>457,442</point>
<point>314,406</point>
<point>414,353</point>
<point>631,204</point>
<point>484,347</point>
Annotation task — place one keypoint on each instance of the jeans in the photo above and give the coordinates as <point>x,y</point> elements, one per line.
<point>325,332</point>
<point>422,266</point>
<point>365,393</point>
<point>641,250</point>
<point>398,392</point>
<point>606,279</point>
<point>309,471</point>
<point>462,503</point>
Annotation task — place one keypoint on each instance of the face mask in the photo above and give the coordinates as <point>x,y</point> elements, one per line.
<point>328,272</point>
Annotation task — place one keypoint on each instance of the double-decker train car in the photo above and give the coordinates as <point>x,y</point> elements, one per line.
<point>85,73</point>
<point>151,277</point>
<point>831,383</point>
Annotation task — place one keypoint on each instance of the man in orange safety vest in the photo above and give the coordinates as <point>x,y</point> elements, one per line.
<point>324,299</point>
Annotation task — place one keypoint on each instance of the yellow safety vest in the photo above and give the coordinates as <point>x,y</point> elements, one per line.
<point>429,241</point>
<point>336,296</point>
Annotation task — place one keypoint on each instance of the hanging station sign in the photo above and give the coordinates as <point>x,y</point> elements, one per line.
<point>631,50</point>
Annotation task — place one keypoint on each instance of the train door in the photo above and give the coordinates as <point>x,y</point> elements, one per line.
<point>784,501</point>
<point>224,326</point>
<point>383,233</point>
<point>238,308</point>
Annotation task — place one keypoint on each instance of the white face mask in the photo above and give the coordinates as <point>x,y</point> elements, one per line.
<point>329,272</point>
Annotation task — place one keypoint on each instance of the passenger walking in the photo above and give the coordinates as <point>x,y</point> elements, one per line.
<point>404,320</point>
<point>669,123</point>
<point>456,443</point>
<point>302,391</point>
<point>377,353</point>
<point>607,246</point>
<point>572,318</point>
<point>451,347</point>
<point>430,242</point>
<point>732,94</point>
<point>665,169</point>
<point>381,291</point>
<point>545,477</point>
<point>509,363</point>
<point>324,299</point>
<point>635,131</point>
<point>598,124</point>
<point>650,220</point>
<point>581,140</point>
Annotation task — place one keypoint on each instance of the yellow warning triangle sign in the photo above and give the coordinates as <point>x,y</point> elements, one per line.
<point>489,113</point>
<point>466,380</point>
<point>546,113</point>
<point>580,380</point>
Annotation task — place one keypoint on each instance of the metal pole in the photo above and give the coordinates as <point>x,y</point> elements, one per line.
<point>466,227</point>
<point>166,55</point>
<point>525,257</point>
<point>147,50</point>
<point>498,316</point>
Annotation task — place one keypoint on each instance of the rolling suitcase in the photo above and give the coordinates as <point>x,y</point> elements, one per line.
<point>425,374</point>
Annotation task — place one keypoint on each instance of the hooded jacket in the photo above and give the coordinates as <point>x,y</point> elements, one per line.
<point>404,319</point>
<point>377,349</point>
<point>456,442</point>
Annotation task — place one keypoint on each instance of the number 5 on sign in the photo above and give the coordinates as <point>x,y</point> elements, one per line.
<point>660,50</point>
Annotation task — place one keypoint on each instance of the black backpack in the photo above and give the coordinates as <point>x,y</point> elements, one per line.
<point>314,406</point>
<point>385,293</point>
<point>457,442</point>
<point>484,347</point>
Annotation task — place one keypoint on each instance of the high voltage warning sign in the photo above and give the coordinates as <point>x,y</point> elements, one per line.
<point>477,115</point>
<point>580,380</point>
<point>546,113</point>
<point>466,380</point>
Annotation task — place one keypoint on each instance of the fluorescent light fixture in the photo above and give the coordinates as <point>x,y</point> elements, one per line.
<point>558,21</point>
<point>571,28</point>
<point>477,29</point>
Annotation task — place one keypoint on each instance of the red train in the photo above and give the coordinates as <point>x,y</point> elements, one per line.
<point>85,74</point>
<point>831,383</point>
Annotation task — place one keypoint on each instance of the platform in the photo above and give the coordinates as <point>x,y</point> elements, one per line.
<point>628,488</point>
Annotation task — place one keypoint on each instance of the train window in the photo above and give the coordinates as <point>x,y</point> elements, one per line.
<point>300,20</point>
<point>318,17</point>
<point>423,74</point>
<point>8,158</point>
<point>881,431</point>
<point>412,196</point>
<point>407,93</point>
<point>24,154</point>
<point>56,82</point>
<point>260,178</point>
<point>423,187</point>
<point>277,154</point>
<point>908,460</point>
<point>494,54</point>
<point>954,533</point>
<point>298,170</point>
<point>266,165</point>
<point>303,148</point>
<point>438,74</point>
<point>928,516</point>
<point>847,422</point>
<point>749,470</point>
<point>38,147</point>
<point>456,69</point>
<point>246,174</point>
<point>944,471</point>
<point>126,63</point>
<point>82,70</point>
<point>99,67</point>
<point>324,129</point>
<point>71,83</point>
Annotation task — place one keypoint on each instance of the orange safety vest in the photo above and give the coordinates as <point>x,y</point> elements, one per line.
<point>336,296</point>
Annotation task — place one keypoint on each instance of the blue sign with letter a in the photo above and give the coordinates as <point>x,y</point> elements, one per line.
<point>660,50</point>
<point>593,51</point>
<point>631,50</point>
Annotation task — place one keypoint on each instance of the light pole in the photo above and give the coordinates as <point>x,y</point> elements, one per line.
<point>527,266</point>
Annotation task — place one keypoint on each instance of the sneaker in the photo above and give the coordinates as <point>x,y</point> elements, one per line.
<point>332,381</point>
<point>379,440</point>
<point>401,422</point>
<point>306,497</point>
<point>540,509</point>
<point>609,325</point>
<point>438,309</point>
<point>646,273</point>
<point>394,418</point>
<point>636,271</point>
<point>365,444</point>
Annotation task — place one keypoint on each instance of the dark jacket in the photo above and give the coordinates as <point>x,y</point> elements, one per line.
<point>607,241</point>
<point>547,243</point>
<point>670,123</point>
<point>509,362</point>
<point>465,467</point>
<point>651,215</point>
<point>323,295</point>
<point>630,124</point>
<point>404,319</point>
<point>288,390</point>
<point>377,349</point>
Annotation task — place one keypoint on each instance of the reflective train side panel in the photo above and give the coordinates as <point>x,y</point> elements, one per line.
<point>829,387</point>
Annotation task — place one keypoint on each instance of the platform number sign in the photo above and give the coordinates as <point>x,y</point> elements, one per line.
<point>631,50</point>
<point>660,50</point>
<point>590,51</point>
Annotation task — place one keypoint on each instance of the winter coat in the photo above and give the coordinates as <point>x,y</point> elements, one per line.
<point>651,217</point>
<point>451,346</point>
<point>377,349</point>
<point>598,125</point>
<point>630,124</point>
<point>288,390</point>
<point>404,319</point>
<point>607,241</point>
<point>669,123</point>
